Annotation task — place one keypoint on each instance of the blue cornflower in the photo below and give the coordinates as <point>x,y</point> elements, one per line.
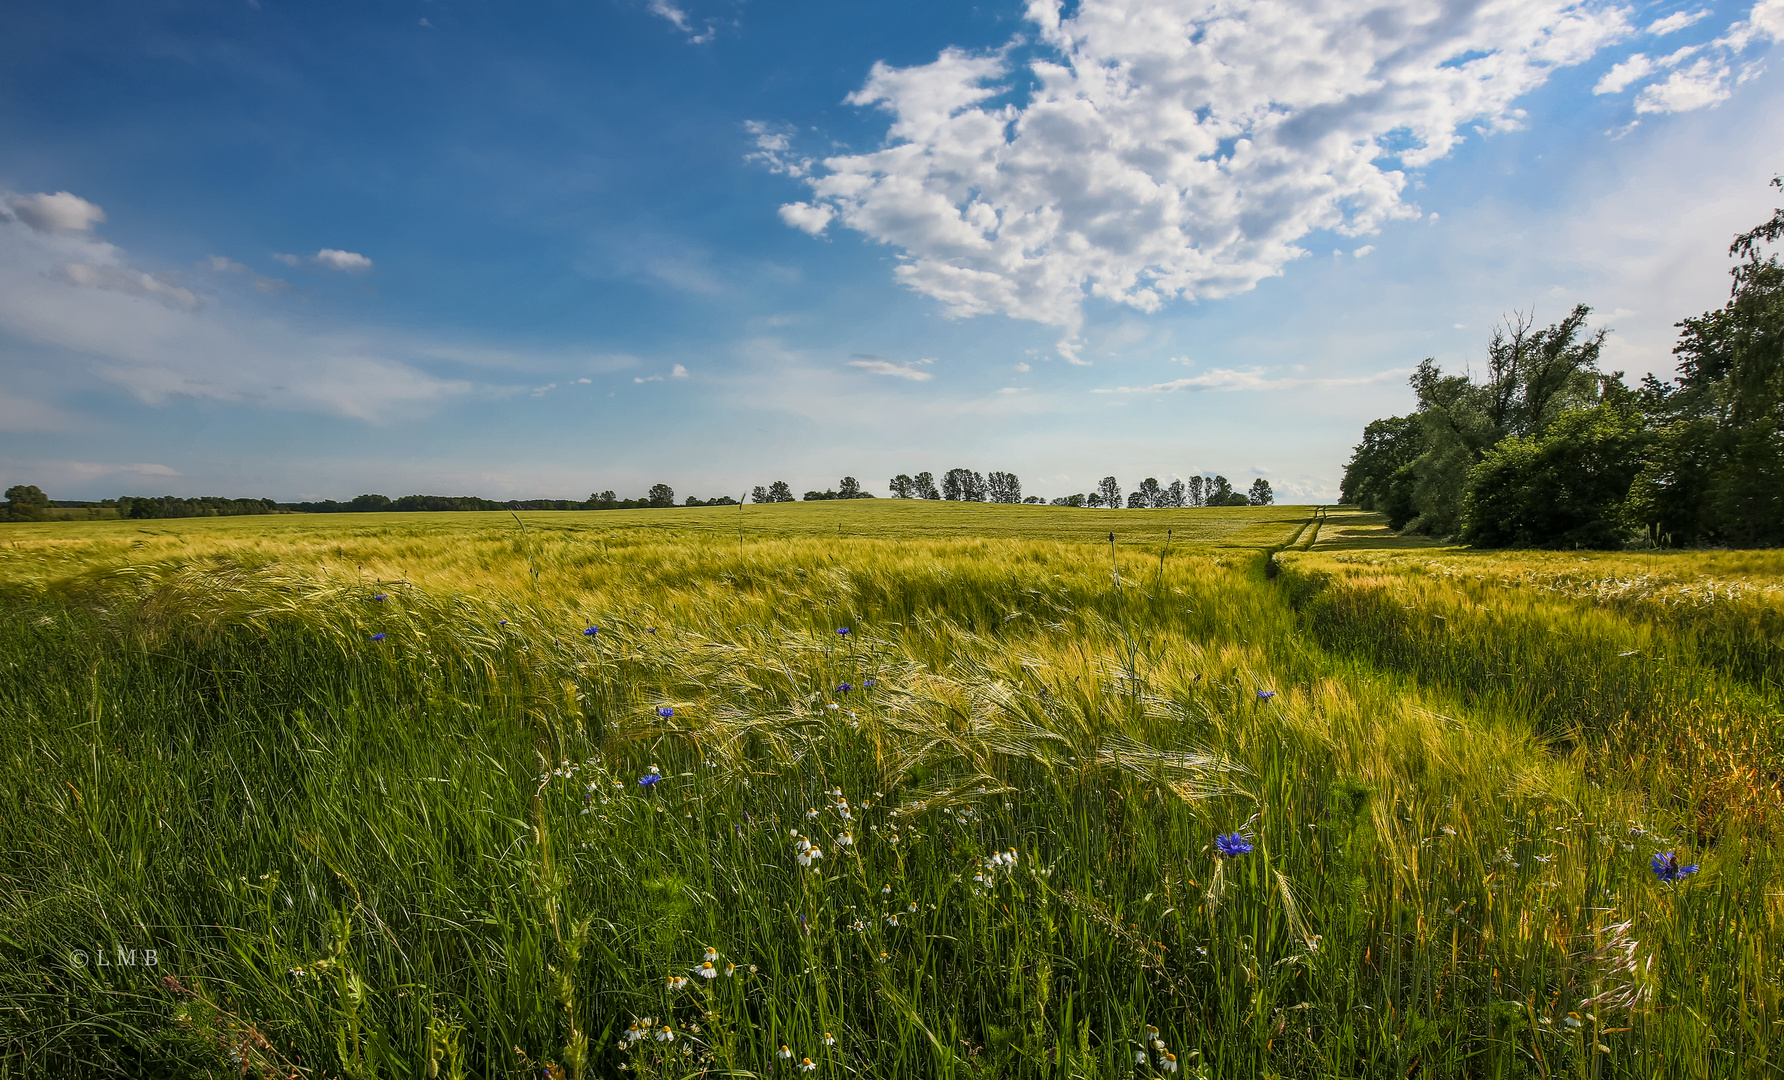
<point>843,630</point>
<point>648,779</point>
<point>378,637</point>
<point>843,688</point>
<point>591,631</point>
<point>1666,867</point>
<point>665,711</point>
<point>1265,695</point>
<point>504,622</point>
<point>1232,845</point>
<point>867,684</point>
<point>382,596</point>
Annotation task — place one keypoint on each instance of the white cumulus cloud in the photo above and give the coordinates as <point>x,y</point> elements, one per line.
<point>806,217</point>
<point>1162,149</point>
<point>1715,68</point>
<point>61,212</point>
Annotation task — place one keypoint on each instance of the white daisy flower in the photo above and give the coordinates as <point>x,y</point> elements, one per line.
<point>806,1065</point>
<point>783,1052</point>
<point>711,954</point>
<point>707,971</point>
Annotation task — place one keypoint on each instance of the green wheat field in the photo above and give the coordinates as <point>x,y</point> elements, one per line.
<point>614,794</point>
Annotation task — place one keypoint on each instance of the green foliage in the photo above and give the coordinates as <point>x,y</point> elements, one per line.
<point>1379,475</point>
<point>1717,471</point>
<point>24,502</point>
<point>1707,467</point>
<point>1563,488</point>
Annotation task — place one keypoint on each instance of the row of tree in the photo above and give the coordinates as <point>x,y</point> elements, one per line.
<point>1179,493</point>
<point>965,485</point>
<point>1541,449</point>
<point>779,491</point>
<point>28,503</point>
<point>961,485</point>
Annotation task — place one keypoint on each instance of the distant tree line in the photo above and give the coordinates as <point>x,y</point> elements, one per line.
<point>779,491</point>
<point>965,485</point>
<point>1542,450</point>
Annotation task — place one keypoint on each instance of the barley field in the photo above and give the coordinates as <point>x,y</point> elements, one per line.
<point>882,790</point>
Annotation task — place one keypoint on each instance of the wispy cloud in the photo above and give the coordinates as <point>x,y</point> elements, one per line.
<point>679,18</point>
<point>1233,379</point>
<point>220,264</point>
<point>875,365</point>
<point>347,262</point>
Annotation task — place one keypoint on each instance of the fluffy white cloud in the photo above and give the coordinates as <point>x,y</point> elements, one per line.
<point>806,217</point>
<point>1623,73</point>
<point>1177,148</point>
<point>61,212</point>
<point>1715,69</point>
<point>678,372</point>
<point>348,262</point>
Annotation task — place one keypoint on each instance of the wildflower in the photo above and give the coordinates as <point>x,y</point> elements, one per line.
<point>1232,845</point>
<point>752,969</point>
<point>1139,1057</point>
<point>707,971</point>
<point>649,779</point>
<point>591,631</point>
<point>382,596</point>
<point>665,712</point>
<point>730,970</point>
<point>1265,695</point>
<point>829,1039</point>
<point>843,688</point>
<point>885,957</point>
<point>378,636</point>
<point>912,909</point>
<point>676,982</point>
<point>1168,1063</point>
<point>504,622</point>
<point>711,954</point>
<point>843,630</point>
<point>892,919</point>
<point>811,815</point>
<point>784,1052</point>
<point>806,1065</point>
<point>1572,1020</point>
<point>1666,867</point>
<point>666,1033</point>
<point>885,890</point>
<point>633,1034</point>
<point>845,840</point>
<point>867,684</point>
<point>800,843</point>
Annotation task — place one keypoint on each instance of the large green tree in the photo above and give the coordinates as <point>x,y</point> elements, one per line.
<point>1563,488</point>
<point>1717,470</point>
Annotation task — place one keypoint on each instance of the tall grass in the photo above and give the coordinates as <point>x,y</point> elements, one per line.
<point>433,854</point>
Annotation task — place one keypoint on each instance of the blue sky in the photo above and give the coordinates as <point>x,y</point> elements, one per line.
<point>540,250</point>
